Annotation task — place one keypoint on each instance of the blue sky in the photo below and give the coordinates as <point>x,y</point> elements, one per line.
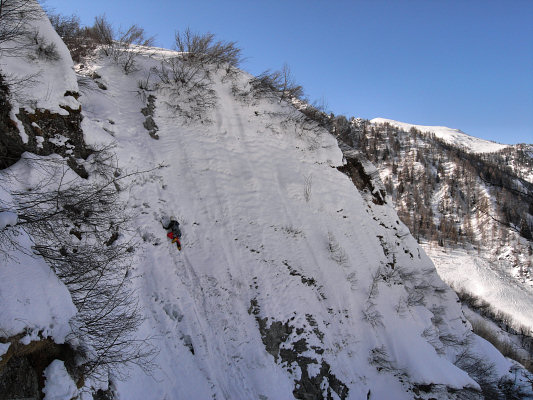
<point>466,64</point>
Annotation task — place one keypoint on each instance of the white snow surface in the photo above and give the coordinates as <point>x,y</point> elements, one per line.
<point>4,347</point>
<point>237,186</point>
<point>272,231</point>
<point>58,383</point>
<point>32,298</point>
<point>46,81</point>
<point>7,218</point>
<point>485,279</point>
<point>452,136</point>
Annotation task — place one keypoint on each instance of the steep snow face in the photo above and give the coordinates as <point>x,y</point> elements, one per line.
<point>289,280</point>
<point>449,135</point>
<point>42,62</point>
<point>34,301</point>
<point>486,279</point>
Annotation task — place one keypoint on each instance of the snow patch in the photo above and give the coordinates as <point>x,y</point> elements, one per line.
<point>33,299</point>
<point>4,347</point>
<point>7,218</point>
<point>46,81</point>
<point>485,279</point>
<point>58,384</point>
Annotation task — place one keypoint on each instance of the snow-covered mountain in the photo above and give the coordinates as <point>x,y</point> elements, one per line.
<point>296,277</point>
<point>468,202</point>
<point>454,137</point>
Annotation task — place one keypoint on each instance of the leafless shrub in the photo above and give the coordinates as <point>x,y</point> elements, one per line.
<point>432,337</point>
<point>276,84</point>
<point>303,126</point>
<point>44,50</point>
<point>65,26</point>
<point>80,233</point>
<point>76,38</point>
<point>179,72</point>
<point>481,371</point>
<point>373,291</point>
<point>292,231</point>
<point>337,253</point>
<point>15,25</point>
<point>144,84</point>
<point>438,312</point>
<point>202,49</point>
<point>317,112</point>
<point>128,46</point>
<point>372,315</point>
<point>191,105</point>
<point>406,275</point>
<point>379,357</point>
<point>506,347</point>
<point>189,85</point>
<point>102,32</point>
<point>14,85</point>
<point>190,70</point>
<point>308,185</point>
<point>440,290</point>
<point>450,340</point>
<point>266,84</point>
<point>401,308</point>
<point>352,278</point>
<point>416,297</point>
<point>123,46</point>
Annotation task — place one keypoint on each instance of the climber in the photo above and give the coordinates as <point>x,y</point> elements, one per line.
<point>175,233</point>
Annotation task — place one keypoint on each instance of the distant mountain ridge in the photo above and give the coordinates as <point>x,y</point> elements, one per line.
<point>452,136</point>
<point>459,192</point>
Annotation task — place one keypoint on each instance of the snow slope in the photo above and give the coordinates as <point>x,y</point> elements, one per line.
<point>273,236</point>
<point>485,279</point>
<point>34,301</point>
<point>291,283</point>
<point>47,83</point>
<point>449,135</point>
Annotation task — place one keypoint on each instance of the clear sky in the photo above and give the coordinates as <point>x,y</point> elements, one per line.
<point>465,64</point>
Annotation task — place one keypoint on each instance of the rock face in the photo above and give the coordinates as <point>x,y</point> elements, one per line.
<point>149,123</point>
<point>21,368</point>
<point>364,175</point>
<point>48,133</point>
<point>290,349</point>
<point>11,146</point>
<point>18,380</point>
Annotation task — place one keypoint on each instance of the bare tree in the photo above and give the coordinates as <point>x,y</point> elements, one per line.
<point>203,49</point>
<point>187,75</point>
<point>278,84</point>
<point>15,18</point>
<point>102,31</point>
<point>289,89</point>
<point>76,37</point>
<point>129,46</point>
<point>80,232</point>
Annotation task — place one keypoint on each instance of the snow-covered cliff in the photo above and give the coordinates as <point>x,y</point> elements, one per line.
<point>292,282</point>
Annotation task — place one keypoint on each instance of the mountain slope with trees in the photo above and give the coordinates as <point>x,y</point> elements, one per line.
<point>453,197</point>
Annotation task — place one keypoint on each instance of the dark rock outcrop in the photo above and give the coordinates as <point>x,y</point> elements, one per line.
<point>149,123</point>
<point>288,344</point>
<point>48,133</point>
<point>364,175</point>
<point>22,367</point>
